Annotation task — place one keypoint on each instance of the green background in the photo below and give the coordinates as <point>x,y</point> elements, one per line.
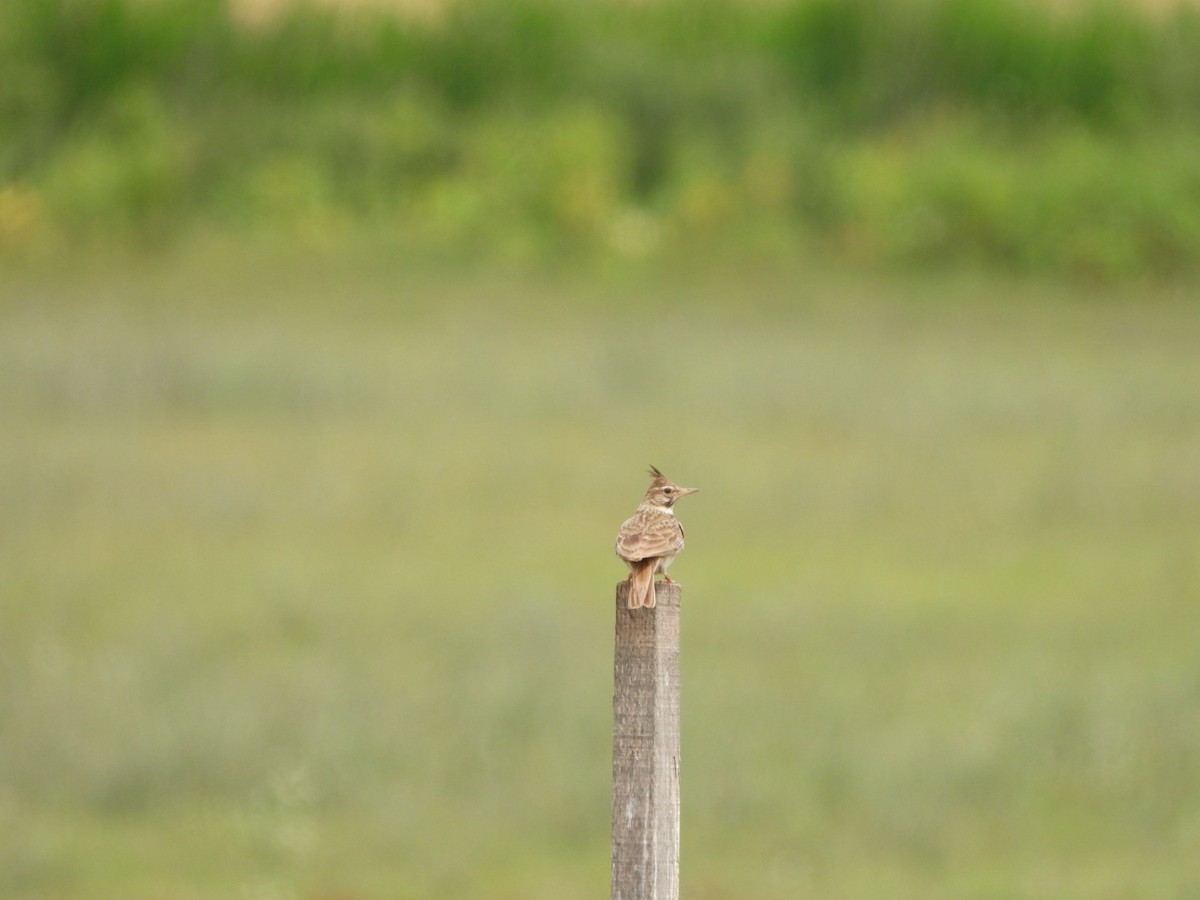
<point>313,447</point>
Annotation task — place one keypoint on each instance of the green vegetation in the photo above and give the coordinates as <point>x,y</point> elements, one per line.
<point>306,580</point>
<point>921,133</point>
<point>305,567</point>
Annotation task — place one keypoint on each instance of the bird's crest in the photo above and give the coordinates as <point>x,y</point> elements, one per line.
<point>659,477</point>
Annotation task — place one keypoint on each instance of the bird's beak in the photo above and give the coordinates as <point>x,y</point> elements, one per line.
<point>683,491</point>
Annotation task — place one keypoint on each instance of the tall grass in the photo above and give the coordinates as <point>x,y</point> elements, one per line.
<point>900,133</point>
<point>306,585</point>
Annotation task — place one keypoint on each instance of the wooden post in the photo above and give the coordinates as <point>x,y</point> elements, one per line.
<point>645,796</point>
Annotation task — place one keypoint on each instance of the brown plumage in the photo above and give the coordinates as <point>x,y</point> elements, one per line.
<point>651,538</point>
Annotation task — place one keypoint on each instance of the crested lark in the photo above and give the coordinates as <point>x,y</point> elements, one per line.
<point>651,538</point>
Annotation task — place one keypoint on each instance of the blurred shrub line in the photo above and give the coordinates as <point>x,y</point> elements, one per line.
<point>919,133</point>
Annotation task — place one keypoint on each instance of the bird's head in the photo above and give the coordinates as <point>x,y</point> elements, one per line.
<point>662,492</point>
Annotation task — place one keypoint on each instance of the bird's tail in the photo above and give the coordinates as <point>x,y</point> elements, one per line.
<point>641,584</point>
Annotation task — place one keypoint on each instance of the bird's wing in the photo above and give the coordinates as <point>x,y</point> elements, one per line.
<point>643,537</point>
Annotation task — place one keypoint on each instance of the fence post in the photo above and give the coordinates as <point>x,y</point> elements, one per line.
<point>645,795</point>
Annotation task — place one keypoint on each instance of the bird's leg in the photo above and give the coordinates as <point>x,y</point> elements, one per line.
<point>667,579</point>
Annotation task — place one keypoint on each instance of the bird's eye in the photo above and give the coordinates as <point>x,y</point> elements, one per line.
<point>668,490</point>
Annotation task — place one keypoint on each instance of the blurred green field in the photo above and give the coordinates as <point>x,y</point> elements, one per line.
<point>306,583</point>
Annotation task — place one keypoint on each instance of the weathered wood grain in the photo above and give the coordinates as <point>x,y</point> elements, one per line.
<point>645,798</point>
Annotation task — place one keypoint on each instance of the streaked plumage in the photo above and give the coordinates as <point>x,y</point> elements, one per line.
<point>651,538</point>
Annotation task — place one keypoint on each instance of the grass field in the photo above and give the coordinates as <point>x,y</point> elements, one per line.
<point>306,584</point>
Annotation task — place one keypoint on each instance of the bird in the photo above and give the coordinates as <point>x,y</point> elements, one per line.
<point>651,538</point>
